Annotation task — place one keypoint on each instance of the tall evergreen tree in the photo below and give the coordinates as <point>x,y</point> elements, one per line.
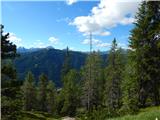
<point>93,81</point>
<point>66,65</point>
<point>51,97</point>
<point>71,92</point>
<point>42,92</point>
<point>146,52</point>
<point>29,92</point>
<point>10,87</point>
<point>65,69</point>
<point>129,88</point>
<point>114,70</point>
<point>8,49</point>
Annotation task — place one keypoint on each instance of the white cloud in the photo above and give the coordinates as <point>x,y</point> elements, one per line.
<point>108,14</point>
<point>127,21</point>
<point>53,40</point>
<point>101,44</point>
<point>99,33</point>
<point>96,42</point>
<point>14,39</point>
<point>106,33</point>
<point>71,48</point>
<point>123,46</point>
<point>70,2</point>
<point>104,45</point>
<point>39,44</point>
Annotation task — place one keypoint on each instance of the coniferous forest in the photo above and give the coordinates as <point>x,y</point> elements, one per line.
<point>124,84</point>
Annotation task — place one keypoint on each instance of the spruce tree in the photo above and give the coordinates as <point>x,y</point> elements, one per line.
<point>92,82</point>
<point>66,65</point>
<point>42,92</point>
<point>114,70</point>
<point>29,92</point>
<point>51,97</point>
<point>65,69</point>
<point>71,92</point>
<point>10,87</point>
<point>146,52</point>
<point>8,49</point>
<point>129,88</point>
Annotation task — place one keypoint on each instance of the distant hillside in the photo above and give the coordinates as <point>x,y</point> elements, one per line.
<point>24,50</point>
<point>48,61</point>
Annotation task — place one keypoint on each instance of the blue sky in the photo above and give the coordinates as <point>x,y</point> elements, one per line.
<point>58,24</point>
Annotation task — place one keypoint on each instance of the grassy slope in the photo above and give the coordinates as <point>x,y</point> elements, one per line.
<point>37,116</point>
<point>145,114</point>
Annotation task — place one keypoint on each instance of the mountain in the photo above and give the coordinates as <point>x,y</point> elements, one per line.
<point>48,61</point>
<point>25,50</point>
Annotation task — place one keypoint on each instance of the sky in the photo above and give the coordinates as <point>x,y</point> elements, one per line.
<point>60,24</point>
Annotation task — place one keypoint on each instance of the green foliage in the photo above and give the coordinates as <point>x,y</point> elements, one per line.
<point>66,65</point>
<point>146,55</point>
<point>71,93</point>
<point>94,93</point>
<point>8,50</point>
<point>29,92</point>
<point>145,114</point>
<point>129,88</point>
<point>42,93</point>
<point>26,115</point>
<point>51,97</point>
<point>11,103</point>
<point>48,61</point>
<point>9,75</point>
<point>114,76</point>
<point>11,106</point>
<point>93,81</point>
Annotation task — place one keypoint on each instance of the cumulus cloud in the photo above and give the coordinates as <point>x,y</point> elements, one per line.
<point>96,42</point>
<point>70,2</point>
<point>53,40</point>
<point>14,39</point>
<point>104,45</point>
<point>100,44</point>
<point>39,44</point>
<point>106,33</point>
<point>71,48</point>
<point>107,14</point>
<point>123,46</point>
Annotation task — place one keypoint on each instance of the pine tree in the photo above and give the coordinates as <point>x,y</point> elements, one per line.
<point>42,92</point>
<point>71,92</point>
<point>93,82</point>
<point>66,65</point>
<point>114,70</point>
<point>29,92</point>
<point>8,49</point>
<point>11,100</point>
<point>146,52</point>
<point>51,97</point>
<point>129,88</point>
<point>153,55</point>
<point>65,69</point>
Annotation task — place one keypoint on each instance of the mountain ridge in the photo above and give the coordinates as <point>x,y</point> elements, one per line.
<point>47,61</point>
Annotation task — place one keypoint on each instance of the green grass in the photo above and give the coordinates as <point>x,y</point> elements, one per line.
<point>150,113</point>
<point>37,116</point>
